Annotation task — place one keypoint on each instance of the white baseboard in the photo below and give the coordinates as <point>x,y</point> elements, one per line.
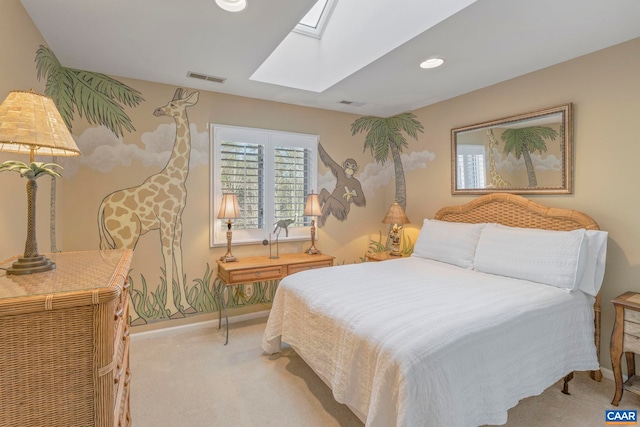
<point>608,373</point>
<point>203,324</point>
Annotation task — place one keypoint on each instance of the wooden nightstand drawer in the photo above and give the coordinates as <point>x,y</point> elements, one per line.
<point>625,340</point>
<point>294,268</point>
<point>256,274</point>
<point>631,328</point>
<point>632,316</point>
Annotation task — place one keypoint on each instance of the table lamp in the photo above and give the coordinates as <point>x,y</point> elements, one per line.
<point>396,216</point>
<point>229,210</point>
<point>312,208</point>
<point>31,124</point>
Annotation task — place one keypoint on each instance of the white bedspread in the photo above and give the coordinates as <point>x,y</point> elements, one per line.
<point>415,342</point>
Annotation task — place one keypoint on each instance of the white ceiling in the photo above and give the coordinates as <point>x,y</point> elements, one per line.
<point>483,43</point>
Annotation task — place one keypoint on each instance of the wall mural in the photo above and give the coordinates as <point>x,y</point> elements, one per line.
<point>101,100</point>
<point>348,189</point>
<point>127,214</point>
<point>97,97</point>
<point>156,204</point>
<point>384,136</point>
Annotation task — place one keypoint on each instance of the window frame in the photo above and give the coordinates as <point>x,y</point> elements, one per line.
<point>269,139</point>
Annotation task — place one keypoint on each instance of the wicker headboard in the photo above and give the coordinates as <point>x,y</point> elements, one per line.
<point>516,211</point>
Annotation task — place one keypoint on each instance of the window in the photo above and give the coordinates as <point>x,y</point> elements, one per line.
<point>316,20</point>
<point>470,165</point>
<point>271,172</point>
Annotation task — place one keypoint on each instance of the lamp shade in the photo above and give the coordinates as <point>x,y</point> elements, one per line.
<point>395,215</point>
<point>312,207</point>
<point>31,124</point>
<point>229,208</point>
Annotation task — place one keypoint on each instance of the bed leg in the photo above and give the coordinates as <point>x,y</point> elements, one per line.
<point>565,387</point>
<point>596,375</point>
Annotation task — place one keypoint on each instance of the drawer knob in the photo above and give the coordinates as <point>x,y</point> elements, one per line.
<point>257,274</point>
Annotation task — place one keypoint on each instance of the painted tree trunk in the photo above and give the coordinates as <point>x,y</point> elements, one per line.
<point>401,187</point>
<point>531,173</point>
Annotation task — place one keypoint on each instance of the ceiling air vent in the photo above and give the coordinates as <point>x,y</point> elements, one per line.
<point>352,103</point>
<point>205,77</point>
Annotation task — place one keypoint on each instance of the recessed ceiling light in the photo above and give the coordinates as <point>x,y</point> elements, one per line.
<point>432,63</point>
<point>232,5</point>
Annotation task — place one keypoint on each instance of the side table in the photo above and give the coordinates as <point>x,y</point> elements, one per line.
<point>259,268</point>
<point>625,339</point>
<point>381,256</point>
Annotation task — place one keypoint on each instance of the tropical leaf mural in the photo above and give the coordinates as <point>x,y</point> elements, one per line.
<point>97,97</point>
<point>384,137</point>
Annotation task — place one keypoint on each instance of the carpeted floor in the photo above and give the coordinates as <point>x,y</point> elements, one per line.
<point>187,377</point>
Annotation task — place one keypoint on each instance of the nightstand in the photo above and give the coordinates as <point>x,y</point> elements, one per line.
<point>625,339</point>
<point>381,256</point>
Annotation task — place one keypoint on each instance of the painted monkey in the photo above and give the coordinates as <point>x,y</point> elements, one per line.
<point>348,189</point>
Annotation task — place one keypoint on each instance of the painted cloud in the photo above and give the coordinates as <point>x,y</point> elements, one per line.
<point>103,151</point>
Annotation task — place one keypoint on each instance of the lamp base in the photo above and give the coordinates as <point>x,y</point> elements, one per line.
<point>30,265</point>
<point>395,253</point>
<point>228,258</point>
<point>312,251</point>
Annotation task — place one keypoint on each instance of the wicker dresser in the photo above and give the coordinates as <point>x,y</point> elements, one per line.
<point>64,342</point>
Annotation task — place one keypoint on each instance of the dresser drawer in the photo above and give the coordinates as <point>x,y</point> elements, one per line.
<point>256,274</point>
<point>294,268</point>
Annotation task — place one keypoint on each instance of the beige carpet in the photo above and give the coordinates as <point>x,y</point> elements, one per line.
<point>187,377</point>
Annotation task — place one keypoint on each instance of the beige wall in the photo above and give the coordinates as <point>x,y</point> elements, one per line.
<point>603,88</point>
<point>19,40</point>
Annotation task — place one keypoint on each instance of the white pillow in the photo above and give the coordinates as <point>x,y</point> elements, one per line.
<point>543,256</point>
<point>594,260</point>
<point>450,242</point>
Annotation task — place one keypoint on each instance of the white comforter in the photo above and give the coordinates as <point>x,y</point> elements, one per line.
<point>415,342</point>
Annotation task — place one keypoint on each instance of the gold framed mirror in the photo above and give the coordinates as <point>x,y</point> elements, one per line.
<point>524,154</point>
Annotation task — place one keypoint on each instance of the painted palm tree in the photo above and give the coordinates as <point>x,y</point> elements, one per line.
<point>524,141</point>
<point>384,136</point>
<point>96,96</point>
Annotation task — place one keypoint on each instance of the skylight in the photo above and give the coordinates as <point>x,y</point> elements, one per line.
<point>315,21</point>
<point>360,32</point>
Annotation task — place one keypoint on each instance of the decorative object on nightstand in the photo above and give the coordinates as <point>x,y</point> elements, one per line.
<point>31,124</point>
<point>625,339</point>
<point>396,216</point>
<point>312,208</point>
<point>229,210</point>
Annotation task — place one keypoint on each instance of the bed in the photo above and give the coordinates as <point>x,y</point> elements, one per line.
<point>498,302</point>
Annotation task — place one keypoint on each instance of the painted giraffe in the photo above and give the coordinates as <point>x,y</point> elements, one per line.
<point>156,204</point>
<point>496,179</point>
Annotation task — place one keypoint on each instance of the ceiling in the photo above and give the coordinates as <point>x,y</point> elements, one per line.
<point>373,60</point>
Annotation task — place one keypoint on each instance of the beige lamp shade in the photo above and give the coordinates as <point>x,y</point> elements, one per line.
<point>229,208</point>
<point>395,215</point>
<point>312,207</point>
<point>31,124</point>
